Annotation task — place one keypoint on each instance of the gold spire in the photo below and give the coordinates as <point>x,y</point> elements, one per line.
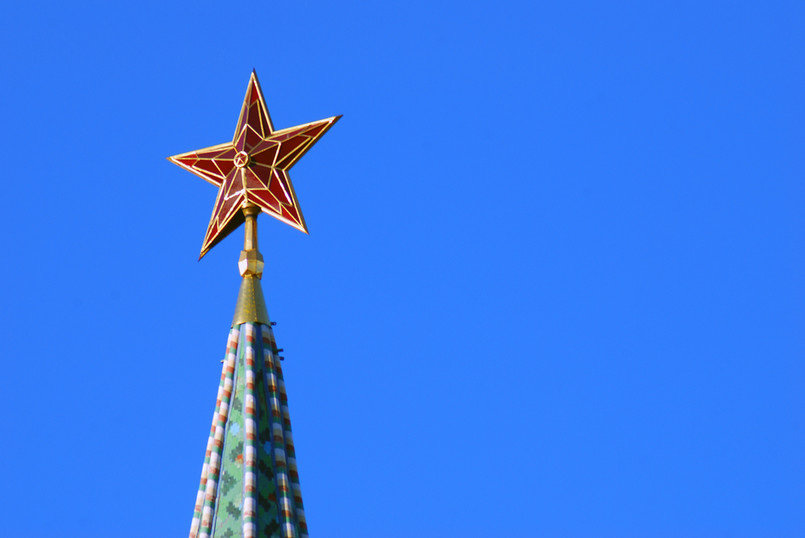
<point>251,305</point>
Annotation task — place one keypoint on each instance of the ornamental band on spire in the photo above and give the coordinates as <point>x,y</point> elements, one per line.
<point>253,168</point>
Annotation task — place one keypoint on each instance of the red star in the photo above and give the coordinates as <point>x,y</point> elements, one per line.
<point>253,167</point>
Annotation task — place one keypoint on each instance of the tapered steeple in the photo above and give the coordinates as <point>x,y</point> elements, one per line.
<point>249,481</point>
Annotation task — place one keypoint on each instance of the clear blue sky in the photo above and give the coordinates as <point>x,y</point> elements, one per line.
<point>553,287</point>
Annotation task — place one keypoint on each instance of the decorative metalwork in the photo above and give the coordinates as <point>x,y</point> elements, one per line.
<point>253,168</point>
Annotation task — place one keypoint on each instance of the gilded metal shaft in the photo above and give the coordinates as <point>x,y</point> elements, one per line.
<point>251,306</point>
<point>251,261</point>
<point>250,211</point>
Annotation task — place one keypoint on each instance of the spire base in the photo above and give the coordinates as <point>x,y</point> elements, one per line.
<point>251,305</point>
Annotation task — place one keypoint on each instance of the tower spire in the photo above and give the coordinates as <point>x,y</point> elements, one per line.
<point>249,481</point>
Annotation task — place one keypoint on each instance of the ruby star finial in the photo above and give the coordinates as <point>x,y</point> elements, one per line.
<point>253,168</point>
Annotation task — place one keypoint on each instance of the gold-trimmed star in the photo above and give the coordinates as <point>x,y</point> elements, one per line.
<point>253,168</point>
